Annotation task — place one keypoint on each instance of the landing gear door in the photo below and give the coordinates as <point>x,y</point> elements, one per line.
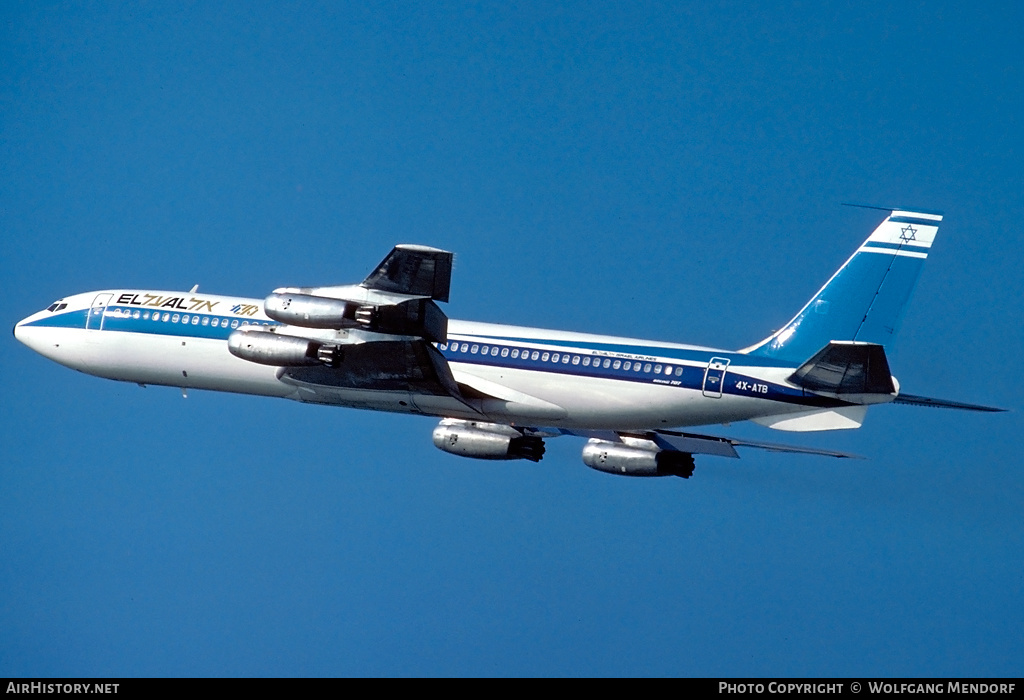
<point>95,318</point>
<point>714,377</point>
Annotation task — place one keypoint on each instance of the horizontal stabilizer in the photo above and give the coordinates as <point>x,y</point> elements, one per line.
<point>941,403</point>
<point>414,269</point>
<point>843,418</point>
<point>845,367</point>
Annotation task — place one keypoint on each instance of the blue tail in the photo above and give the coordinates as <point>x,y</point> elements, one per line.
<point>866,298</point>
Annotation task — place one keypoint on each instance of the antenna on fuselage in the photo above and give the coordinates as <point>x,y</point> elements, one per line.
<point>194,288</point>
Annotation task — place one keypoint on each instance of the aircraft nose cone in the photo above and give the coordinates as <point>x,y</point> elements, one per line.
<point>54,343</point>
<point>30,334</point>
<point>24,334</point>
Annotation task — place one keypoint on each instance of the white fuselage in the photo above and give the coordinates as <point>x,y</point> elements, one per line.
<point>521,376</point>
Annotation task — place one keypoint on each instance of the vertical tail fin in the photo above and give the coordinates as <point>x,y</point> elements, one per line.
<point>866,297</point>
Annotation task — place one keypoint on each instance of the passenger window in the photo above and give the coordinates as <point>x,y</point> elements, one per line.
<point>626,365</point>
<point>473,350</point>
<point>484,350</point>
<point>534,355</point>
<point>565,359</point>
<point>494,351</point>
<point>195,321</point>
<point>234,324</point>
<point>636,366</point>
<point>515,353</point>
<point>554,357</point>
<point>657,369</point>
<point>586,362</point>
<point>174,318</point>
<point>647,367</point>
<point>679,371</point>
<point>206,320</point>
<point>504,352</point>
<point>616,364</point>
<point>136,314</point>
<point>544,357</point>
<point>575,359</point>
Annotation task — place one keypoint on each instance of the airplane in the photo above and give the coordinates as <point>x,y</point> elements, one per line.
<point>384,344</point>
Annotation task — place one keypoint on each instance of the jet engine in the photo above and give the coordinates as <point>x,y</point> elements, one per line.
<point>279,350</point>
<point>627,460</point>
<point>486,441</point>
<point>310,311</point>
<point>411,316</point>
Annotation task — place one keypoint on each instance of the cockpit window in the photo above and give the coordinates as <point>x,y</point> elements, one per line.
<point>57,306</point>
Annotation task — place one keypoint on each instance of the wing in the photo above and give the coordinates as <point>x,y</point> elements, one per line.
<point>693,443</point>
<point>377,335</point>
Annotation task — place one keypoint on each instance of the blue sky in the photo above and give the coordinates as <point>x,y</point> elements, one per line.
<point>666,171</point>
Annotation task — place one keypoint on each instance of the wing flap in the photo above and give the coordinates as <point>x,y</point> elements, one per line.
<point>414,366</point>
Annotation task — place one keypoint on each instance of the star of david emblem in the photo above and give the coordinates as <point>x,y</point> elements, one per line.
<point>907,233</point>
